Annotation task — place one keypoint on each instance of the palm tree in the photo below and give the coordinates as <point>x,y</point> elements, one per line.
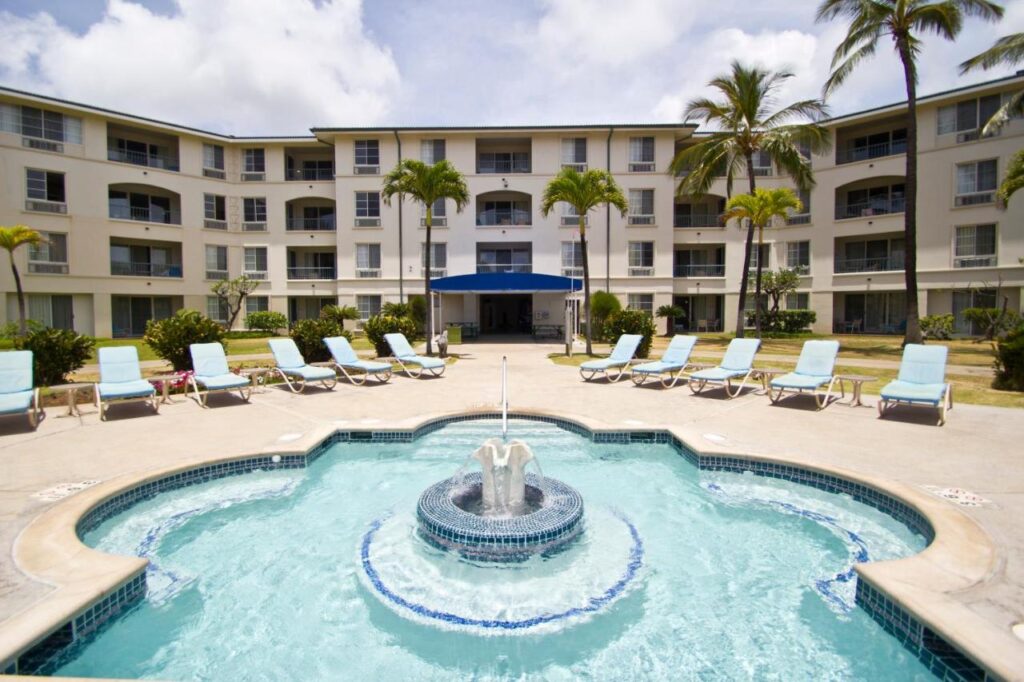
<point>11,238</point>
<point>904,21</point>
<point>760,209</point>
<point>426,184</point>
<point>584,191</point>
<point>745,125</point>
<point>1007,50</point>
<point>1014,179</point>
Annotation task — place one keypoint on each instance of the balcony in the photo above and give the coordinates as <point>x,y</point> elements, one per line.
<point>315,173</point>
<point>152,214</point>
<point>504,208</point>
<point>312,272</point>
<point>878,150</point>
<point>308,163</point>
<point>696,220</point>
<point>503,156</point>
<point>707,270</point>
<point>494,217</point>
<point>140,158</point>
<point>871,207</point>
<point>324,223</point>
<point>143,203</point>
<point>880,264</point>
<point>141,147</point>
<point>504,267</point>
<point>144,269</point>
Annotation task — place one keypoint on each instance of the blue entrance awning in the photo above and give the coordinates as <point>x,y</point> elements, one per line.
<point>505,283</point>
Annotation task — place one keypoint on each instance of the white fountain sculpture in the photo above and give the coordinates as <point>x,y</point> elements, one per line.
<point>504,478</point>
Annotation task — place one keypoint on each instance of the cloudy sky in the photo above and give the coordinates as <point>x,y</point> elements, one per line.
<point>282,66</point>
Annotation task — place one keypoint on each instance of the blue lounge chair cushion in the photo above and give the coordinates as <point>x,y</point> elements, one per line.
<point>423,361</point>
<point>208,359</point>
<point>923,364</point>
<point>139,388</point>
<point>717,374</point>
<point>606,363</point>
<point>222,381</point>
<point>286,354</point>
<point>817,359</point>
<point>678,351</point>
<point>918,393</point>
<point>658,367</point>
<point>310,373</point>
<point>796,380</point>
<point>403,351</point>
<point>15,371</point>
<point>625,348</point>
<point>367,366</point>
<point>12,403</point>
<point>119,364</point>
<point>739,356</point>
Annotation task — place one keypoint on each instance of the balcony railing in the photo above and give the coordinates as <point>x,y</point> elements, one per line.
<point>696,220</point>
<point>506,267</point>
<point>503,217</point>
<point>311,273</point>
<point>871,151</point>
<point>861,209</point>
<point>141,269</point>
<point>705,270</point>
<point>143,159</point>
<point>882,264</point>
<point>324,223</point>
<point>37,267</point>
<point>153,214</point>
<point>309,174</point>
<point>799,219</point>
<point>975,261</point>
<point>503,166</point>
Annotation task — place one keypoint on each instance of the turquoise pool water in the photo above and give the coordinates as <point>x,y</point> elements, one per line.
<point>710,575</point>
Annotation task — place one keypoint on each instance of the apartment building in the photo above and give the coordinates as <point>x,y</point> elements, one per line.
<point>142,216</point>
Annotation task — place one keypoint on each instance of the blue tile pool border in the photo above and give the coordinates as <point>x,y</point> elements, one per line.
<point>942,658</point>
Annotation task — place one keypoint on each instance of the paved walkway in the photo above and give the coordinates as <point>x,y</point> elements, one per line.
<point>979,449</point>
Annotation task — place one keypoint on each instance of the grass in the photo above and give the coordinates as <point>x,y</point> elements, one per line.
<point>234,346</point>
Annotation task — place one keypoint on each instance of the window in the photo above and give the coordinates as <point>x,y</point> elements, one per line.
<point>213,161</point>
<point>254,161</point>
<point>641,207</point>
<point>437,211</point>
<point>367,152</point>
<point>973,298</point>
<point>975,183</point>
<point>214,211</point>
<point>216,309</point>
<point>55,311</point>
<point>142,207</point>
<point>756,255</point>
<point>216,262</point>
<point>572,259</point>
<point>504,258</point>
<point>798,301</point>
<point>504,213</point>
<point>644,302</point>
<point>438,258</point>
<point>44,186</point>
<point>368,305</point>
<point>574,153</point>
<point>40,124</point>
<point>872,255</point>
<point>254,214</point>
<point>975,246</point>
<point>368,204</point>
<point>641,259</point>
<point>257,304</point>
<point>968,116</point>
<point>871,201</point>
<point>49,256</point>
<point>762,163</point>
<point>431,151</point>
<point>367,260</point>
<point>503,162</point>
<point>798,256</point>
<point>641,154</point>
<point>255,262</point>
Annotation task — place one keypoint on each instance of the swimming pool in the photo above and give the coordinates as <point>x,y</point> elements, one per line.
<point>265,576</point>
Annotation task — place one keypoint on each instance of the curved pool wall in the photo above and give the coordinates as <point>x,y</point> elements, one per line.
<point>938,654</point>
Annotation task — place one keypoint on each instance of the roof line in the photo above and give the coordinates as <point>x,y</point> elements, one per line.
<point>571,126</point>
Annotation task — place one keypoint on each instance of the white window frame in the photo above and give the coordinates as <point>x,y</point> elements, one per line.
<point>965,247</point>
<point>368,305</point>
<point>975,196</point>
<point>254,273</point>
<point>257,304</point>
<point>366,267</point>
<point>438,266</point>
<point>644,302</point>
<point>796,247</point>
<point>216,309</point>
<point>636,202</point>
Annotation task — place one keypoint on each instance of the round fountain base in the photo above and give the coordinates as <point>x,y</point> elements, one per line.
<point>447,519</point>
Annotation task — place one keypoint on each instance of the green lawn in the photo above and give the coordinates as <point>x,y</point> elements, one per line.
<point>234,346</point>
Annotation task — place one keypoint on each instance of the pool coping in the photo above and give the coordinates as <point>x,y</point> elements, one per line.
<point>910,597</point>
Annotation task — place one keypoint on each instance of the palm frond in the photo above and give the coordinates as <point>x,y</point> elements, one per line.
<point>1011,108</point>
<point>842,72</point>
<point>584,191</point>
<point>1007,50</point>
<point>1014,179</point>
<point>19,235</point>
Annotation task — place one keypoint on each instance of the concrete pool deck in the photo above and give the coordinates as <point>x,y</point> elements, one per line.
<point>975,578</point>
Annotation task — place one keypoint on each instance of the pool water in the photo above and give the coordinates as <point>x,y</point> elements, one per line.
<point>264,576</point>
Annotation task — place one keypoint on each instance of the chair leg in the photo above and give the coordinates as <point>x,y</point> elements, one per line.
<point>883,405</point>
<point>776,397</point>
<point>618,376</point>
<point>245,393</point>
<point>697,386</point>
<point>739,389</point>
<point>638,378</point>
<point>329,384</point>
<point>590,376</point>
<point>384,377</point>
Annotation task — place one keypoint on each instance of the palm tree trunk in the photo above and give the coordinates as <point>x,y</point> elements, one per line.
<point>586,280</point>
<point>741,317</point>
<point>426,282</point>
<point>21,295</point>
<point>913,332</point>
<point>757,286</point>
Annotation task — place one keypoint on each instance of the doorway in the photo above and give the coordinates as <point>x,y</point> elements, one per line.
<point>506,314</point>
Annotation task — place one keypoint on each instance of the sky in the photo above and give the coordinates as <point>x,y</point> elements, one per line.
<point>279,67</point>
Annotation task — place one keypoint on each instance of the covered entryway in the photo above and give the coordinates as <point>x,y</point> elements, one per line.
<point>506,314</point>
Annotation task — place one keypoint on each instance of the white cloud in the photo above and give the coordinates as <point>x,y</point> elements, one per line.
<point>238,66</point>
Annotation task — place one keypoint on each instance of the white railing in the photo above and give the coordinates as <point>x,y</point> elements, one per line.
<point>504,396</point>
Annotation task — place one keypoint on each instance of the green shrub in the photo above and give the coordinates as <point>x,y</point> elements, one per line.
<point>55,353</point>
<point>602,304</point>
<point>784,321</point>
<point>1010,361</point>
<point>992,321</point>
<point>11,330</point>
<point>249,334</point>
<point>418,306</point>
<point>170,338</point>
<point>309,336</point>
<point>631,322</point>
<point>937,326</point>
<point>338,314</point>
<point>379,325</point>
<point>396,309</point>
<point>266,321</point>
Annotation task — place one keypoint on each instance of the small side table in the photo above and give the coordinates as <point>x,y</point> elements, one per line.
<point>71,390</point>
<point>165,385</point>
<point>766,374</point>
<point>257,376</point>
<point>858,381</point>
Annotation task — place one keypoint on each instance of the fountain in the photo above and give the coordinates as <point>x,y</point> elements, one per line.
<point>501,513</point>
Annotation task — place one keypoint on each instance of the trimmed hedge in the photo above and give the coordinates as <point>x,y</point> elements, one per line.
<point>631,322</point>
<point>55,353</point>
<point>377,326</point>
<point>309,336</point>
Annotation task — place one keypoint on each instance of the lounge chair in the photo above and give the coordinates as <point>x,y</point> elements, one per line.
<point>814,369</point>
<point>673,361</point>
<point>211,372</point>
<point>355,370</point>
<point>404,355</point>
<point>622,355</point>
<point>16,392</point>
<point>738,362</point>
<point>922,381</point>
<point>291,365</point>
<point>121,380</point>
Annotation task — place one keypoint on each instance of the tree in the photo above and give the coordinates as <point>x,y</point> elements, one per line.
<point>426,184</point>
<point>904,21</point>
<point>1008,50</point>
<point>671,313</point>
<point>745,126</point>
<point>584,191</point>
<point>1014,179</point>
<point>11,238</point>
<point>760,209</point>
<point>232,293</point>
<point>777,285</point>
